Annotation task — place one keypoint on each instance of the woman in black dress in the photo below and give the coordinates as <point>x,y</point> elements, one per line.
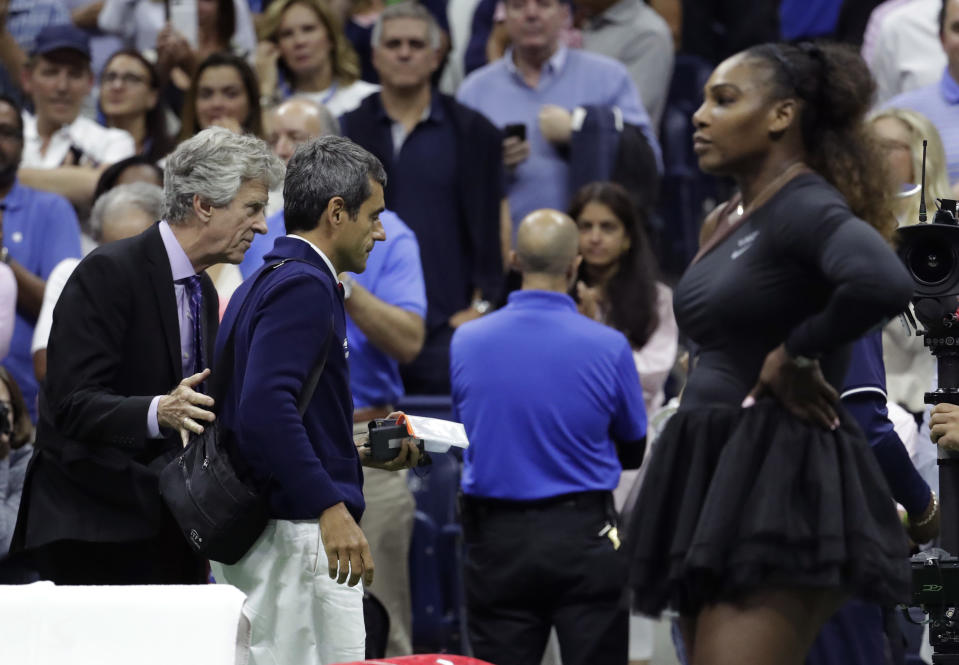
<point>763,507</point>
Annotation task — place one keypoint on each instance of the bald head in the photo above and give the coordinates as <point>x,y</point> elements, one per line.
<point>296,121</point>
<point>547,242</point>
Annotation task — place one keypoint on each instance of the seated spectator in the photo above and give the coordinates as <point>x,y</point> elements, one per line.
<point>443,161</point>
<point>24,19</point>
<point>360,16</point>
<point>121,212</point>
<point>132,169</point>
<point>130,100</point>
<point>910,367</point>
<point>222,25</point>
<point>16,435</point>
<point>901,133</point>
<point>290,123</point>
<point>940,101</point>
<point>571,104</point>
<point>906,52</point>
<point>305,52</point>
<point>223,93</point>
<point>84,15</point>
<point>616,284</point>
<point>63,151</point>
<point>40,229</point>
<point>631,32</point>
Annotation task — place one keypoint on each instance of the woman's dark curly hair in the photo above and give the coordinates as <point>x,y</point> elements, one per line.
<point>631,291</point>
<point>836,91</point>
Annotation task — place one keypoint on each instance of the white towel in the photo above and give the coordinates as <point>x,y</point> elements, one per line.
<point>43,624</point>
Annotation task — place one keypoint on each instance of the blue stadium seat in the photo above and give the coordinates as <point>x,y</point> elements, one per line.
<point>436,551</point>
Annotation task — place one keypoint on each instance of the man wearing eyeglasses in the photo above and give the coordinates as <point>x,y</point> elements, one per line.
<point>64,151</point>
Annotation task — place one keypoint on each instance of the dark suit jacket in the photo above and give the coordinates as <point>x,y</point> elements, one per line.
<point>283,325</point>
<point>115,344</point>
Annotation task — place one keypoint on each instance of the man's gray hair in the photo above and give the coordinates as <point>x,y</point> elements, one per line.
<point>322,168</point>
<point>143,195</point>
<point>214,164</point>
<point>407,9</point>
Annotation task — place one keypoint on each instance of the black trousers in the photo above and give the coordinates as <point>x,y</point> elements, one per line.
<point>163,559</point>
<point>532,567</point>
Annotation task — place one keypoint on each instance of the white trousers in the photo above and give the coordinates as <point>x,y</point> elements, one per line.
<point>298,615</point>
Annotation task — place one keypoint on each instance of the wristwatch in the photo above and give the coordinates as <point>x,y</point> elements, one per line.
<point>803,362</point>
<point>482,306</point>
<point>347,281</point>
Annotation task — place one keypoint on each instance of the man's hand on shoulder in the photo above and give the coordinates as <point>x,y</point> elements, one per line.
<point>182,407</point>
<point>347,552</point>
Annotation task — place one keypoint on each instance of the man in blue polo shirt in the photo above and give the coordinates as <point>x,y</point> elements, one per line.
<point>940,101</point>
<point>557,94</point>
<point>553,409</point>
<point>40,229</point>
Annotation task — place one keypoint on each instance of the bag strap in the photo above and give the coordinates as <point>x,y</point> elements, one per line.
<point>306,394</point>
<point>223,370</point>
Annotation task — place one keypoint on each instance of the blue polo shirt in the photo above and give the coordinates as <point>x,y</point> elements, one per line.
<point>542,391</point>
<point>569,79</point>
<point>393,274</point>
<point>262,244</point>
<point>940,103</point>
<point>40,229</point>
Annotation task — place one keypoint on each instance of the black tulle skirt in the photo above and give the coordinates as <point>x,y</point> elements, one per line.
<point>737,499</point>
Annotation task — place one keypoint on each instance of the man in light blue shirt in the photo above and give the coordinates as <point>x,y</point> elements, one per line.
<point>940,101</point>
<point>550,90</point>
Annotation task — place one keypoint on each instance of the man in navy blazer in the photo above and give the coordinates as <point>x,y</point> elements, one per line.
<point>283,325</point>
<point>126,361</point>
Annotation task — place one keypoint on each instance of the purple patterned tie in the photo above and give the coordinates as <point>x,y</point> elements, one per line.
<point>196,309</point>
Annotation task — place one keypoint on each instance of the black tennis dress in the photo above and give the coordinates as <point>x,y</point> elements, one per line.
<point>736,498</point>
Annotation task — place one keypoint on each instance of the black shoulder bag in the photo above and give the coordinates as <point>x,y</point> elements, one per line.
<point>219,510</point>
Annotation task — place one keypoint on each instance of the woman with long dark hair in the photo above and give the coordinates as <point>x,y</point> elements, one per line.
<point>617,282</point>
<point>763,507</point>
<point>223,92</point>
<point>130,100</point>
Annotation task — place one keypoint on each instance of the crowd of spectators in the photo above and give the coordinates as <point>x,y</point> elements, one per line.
<point>481,113</point>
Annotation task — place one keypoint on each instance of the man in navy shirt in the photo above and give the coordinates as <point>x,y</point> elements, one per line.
<point>444,162</point>
<point>283,327</point>
<point>386,307</point>
<point>553,408</point>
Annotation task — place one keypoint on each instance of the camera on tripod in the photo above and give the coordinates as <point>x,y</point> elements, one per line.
<point>930,252</point>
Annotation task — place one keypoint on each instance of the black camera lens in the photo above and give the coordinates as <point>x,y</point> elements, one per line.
<point>931,263</point>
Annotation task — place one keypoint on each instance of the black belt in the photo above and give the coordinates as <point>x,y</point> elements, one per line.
<point>483,505</point>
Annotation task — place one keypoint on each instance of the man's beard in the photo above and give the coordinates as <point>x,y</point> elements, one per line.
<point>8,171</point>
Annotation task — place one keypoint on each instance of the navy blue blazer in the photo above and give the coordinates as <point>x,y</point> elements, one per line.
<point>282,326</point>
